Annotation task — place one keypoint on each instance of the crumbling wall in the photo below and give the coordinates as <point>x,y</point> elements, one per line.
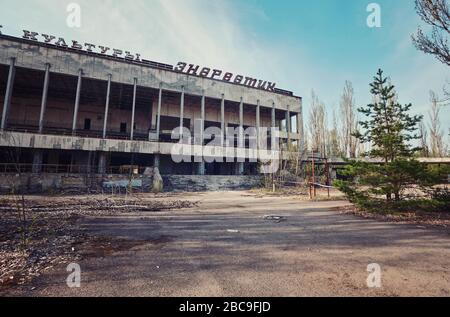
<point>198,183</point>
<point>96,183</point>
<point>66,183</point>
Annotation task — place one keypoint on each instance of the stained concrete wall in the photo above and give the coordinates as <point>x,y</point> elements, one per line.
<point>192,111</point>
<point>198,183</point>
<point>67,183</point>
<point>44,183</point>
<point>56,142</point>
<point>59,114</point>
<point>30,54</point>
<point>79,183</point>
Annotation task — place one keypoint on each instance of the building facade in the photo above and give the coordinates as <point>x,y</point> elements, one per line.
<point>69,110</point>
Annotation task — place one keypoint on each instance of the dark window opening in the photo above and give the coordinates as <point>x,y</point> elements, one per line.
<point>87,124</point>
<point>123,127</point>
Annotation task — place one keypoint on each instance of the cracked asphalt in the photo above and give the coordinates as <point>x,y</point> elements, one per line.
<point>225,247</point>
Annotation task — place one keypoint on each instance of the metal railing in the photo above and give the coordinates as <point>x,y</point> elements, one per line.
<point>95,134</point>
<point>12,168</point>
<point>165,137</point>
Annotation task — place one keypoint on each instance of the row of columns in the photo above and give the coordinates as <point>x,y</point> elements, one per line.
<point>10,84</point>
<point>240,165</point>
<point>108,93</point>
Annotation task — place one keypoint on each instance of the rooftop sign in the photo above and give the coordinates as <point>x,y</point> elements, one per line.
<point>88,47</point>
<point>191,69</point>
<point>182,67</point>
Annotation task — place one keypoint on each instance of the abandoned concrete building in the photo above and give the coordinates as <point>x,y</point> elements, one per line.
<point>70,111</point>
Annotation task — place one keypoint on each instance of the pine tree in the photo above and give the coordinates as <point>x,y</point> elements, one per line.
<point>389,127</point>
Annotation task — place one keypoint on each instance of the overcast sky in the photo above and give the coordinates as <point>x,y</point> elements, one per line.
<point>299,44</point>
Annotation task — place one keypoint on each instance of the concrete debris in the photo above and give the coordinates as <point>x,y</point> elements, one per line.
<point>158,184</point>
<point>274,218</point>
<point>148,172</point>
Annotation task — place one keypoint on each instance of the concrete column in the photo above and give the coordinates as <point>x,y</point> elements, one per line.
<point>89,162</point>
<point>272,136</point>
<point>201,165</point>
<point>241,142</point>
<point>8,93</point>
<point>202,114</point>
<point>156,162</point>
<point>105,119</point>
<point>201,168</point>
<point>77,101</point>
<point>288,121</point>
<point>102,163</point>
<point>134,108</point>
<point>273,116</point>
<point>239,168</point>
<point>300,129</point>
<point>222,120</point>
<point>37,161</point>
<point>288,125</point>
<point>158,115</point>
<point>44,97</point>
<point>258,123</point>
<point>182,112</point>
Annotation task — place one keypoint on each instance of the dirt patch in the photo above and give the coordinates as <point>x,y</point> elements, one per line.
<point>98,247</point>
<point>48,233</point>
<point>300,193</point>
<point>105,246</point>
<point>429,219</point>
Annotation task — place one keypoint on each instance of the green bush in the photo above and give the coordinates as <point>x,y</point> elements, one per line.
<point>366,184</point>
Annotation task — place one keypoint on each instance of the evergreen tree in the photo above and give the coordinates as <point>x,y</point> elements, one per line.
<point>389,127</point>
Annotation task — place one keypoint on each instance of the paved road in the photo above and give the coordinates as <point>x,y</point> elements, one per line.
<point>225,247</point>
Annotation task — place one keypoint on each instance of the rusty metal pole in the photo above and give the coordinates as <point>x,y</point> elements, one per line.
<point>309,185</point>
<point>328,176</point>
<point>313,176</point>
